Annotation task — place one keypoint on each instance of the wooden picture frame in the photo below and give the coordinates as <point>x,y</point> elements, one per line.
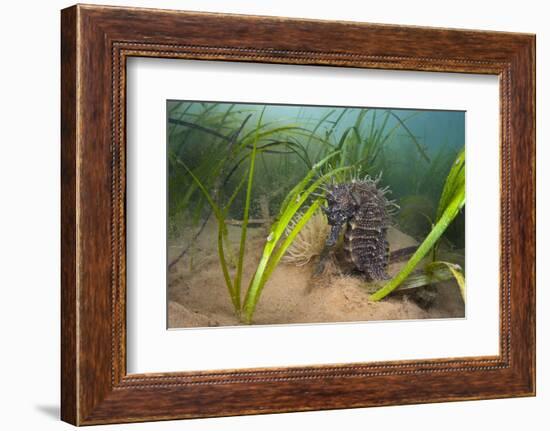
<point>95,43</point>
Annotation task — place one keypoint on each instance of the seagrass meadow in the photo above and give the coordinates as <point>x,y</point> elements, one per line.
<point>281,214</point>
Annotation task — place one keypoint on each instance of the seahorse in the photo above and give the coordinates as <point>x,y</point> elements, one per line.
<point>363,211</point>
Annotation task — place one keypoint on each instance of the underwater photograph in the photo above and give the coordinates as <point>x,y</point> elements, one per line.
<point>287,214</point>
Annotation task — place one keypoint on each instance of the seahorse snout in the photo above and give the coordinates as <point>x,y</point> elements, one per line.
<point>332,238</point>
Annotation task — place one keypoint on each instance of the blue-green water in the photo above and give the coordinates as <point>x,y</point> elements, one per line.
<point>413,150</point>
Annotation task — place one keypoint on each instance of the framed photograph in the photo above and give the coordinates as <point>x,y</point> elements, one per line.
<point>263,214</point>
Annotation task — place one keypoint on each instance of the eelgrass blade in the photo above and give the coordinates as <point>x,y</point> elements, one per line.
<point>233,196</point>
<point>239,162</point>
<point>344,145</point>
<point>222,228</point>
<point>420,279</point>
<point>270,260</point>
<point>202,188</point>
<point>456,272</point>
<point>328,146</point>
<point>298,188</point>
<point>377,142</point>
<point>257,135</point>
<point>446,218</point>
<point>197,127</point>
<point>244,226</point>
<point>336,122</point>
<point>225,210</point>
<point>455,178</point>
<point>294,205</point>
<point>181,115</point>
<point>293,202</point>
<point>319,123</point>
<point>421,150</point>
<point>235,299</point>
<point>436,168</point>
<point>372,130</point>
<point>413,138</point>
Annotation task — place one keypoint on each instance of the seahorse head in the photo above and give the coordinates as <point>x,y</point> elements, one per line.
<point>341,206</point>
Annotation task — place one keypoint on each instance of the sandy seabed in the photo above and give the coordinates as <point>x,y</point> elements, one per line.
<point>198,297</point>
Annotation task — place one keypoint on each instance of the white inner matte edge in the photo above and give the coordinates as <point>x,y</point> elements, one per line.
<point>153,348</point>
